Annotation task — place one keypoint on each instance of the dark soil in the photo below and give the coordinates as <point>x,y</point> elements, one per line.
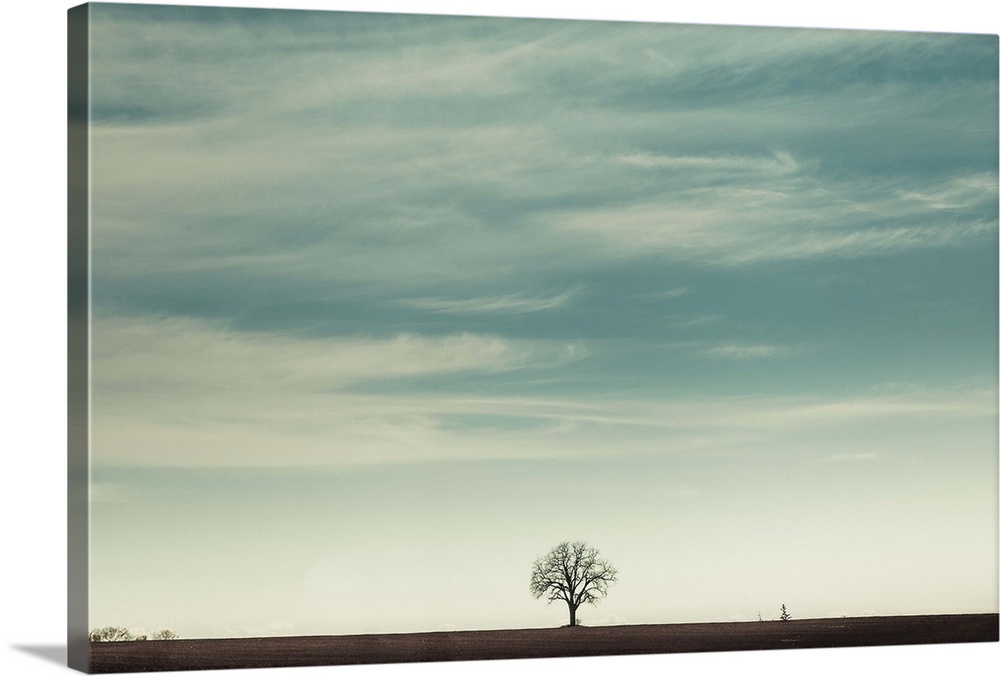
<point>245,653</point>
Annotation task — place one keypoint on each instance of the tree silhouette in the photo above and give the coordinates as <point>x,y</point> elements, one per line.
<point>784,613</point>
<point>573,572</point>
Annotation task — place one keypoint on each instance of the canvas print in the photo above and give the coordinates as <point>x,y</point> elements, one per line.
<point>408,338</point>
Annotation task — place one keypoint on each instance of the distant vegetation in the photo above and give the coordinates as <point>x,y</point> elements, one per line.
<point>111,634</point>
<point>784,613</point>
<point>165,635</point>
<point>106,634</point>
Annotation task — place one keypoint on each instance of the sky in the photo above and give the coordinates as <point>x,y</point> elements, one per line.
<point>384,307</point>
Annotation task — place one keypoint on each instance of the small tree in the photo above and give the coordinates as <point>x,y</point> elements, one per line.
<point>105,634</point>
<point>784,613</point>
<point>165,635</point>
<point>573,572</point>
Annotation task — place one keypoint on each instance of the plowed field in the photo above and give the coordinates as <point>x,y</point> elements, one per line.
<point>245,653</point>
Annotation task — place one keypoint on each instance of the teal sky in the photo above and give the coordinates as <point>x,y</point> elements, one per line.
<point>386,306</point>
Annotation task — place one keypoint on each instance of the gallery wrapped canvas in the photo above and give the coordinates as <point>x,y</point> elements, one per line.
<point>409,338</point>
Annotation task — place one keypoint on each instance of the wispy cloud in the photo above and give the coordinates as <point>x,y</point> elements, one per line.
<point>508,304</point>
<point>669,294</point>
<point>282,424</point>
<point>958,193</point>
<point>692,322</point>
<point>742,351</point>
<point>973,403</point>
<point>159,354</point>
<point>738,224</point>
<point>780,163</point>
<point>185,391</point>
<point>873,241</point>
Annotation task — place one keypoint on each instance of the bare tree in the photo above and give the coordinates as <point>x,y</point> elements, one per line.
<point>165,635</point>
<point>573,572</point>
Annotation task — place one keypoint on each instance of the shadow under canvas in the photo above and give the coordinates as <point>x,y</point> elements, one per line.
<point>49,653</point>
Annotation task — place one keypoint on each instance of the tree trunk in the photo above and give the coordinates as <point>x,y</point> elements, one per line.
<point>572,615</point>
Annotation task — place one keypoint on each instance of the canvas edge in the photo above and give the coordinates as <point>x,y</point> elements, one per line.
<point>78,330</point>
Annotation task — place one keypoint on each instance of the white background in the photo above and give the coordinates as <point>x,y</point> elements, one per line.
<point>33,327</point>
